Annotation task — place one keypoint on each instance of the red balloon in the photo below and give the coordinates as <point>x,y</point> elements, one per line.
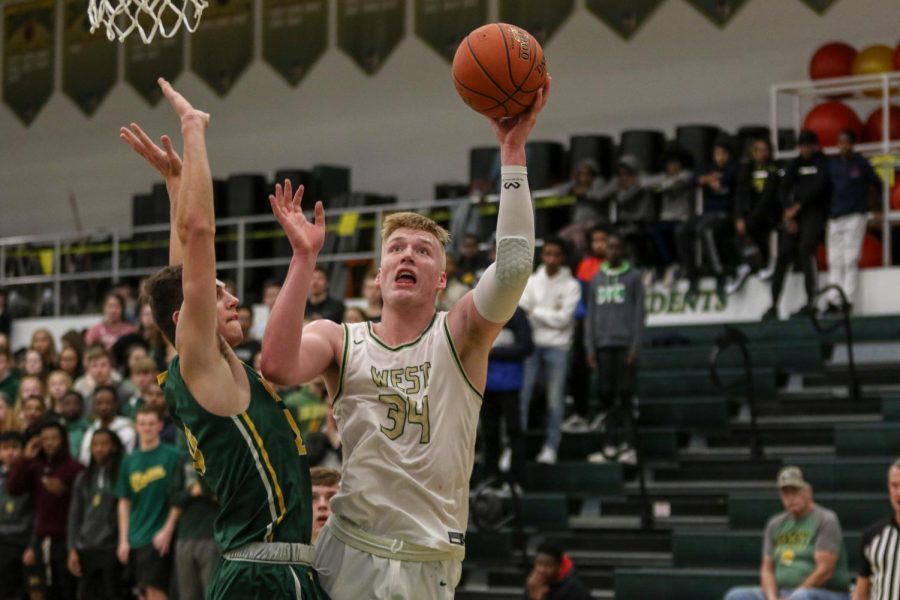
<point>873,125</point>
<point>827,120</point>
<point>871,255</point>
<point>834,59</point>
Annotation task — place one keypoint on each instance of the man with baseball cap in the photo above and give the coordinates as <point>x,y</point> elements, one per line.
<point>803,550</point>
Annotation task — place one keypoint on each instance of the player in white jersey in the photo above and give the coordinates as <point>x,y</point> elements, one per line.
<point>406,391</point>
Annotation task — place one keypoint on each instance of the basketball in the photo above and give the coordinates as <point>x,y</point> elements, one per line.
<point>498,69</point>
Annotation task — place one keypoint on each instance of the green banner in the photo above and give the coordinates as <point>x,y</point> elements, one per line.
<point>443,24</point>
<point>145,63</point>
<point>89,61</point>
<point>625,17</point>
<point>28,31</point>
<point>718,11</point>
<point>222,46</point>
<point>820,6</point>
<point>369,30</point>
<point>284,23</point>
<point>541,18</point>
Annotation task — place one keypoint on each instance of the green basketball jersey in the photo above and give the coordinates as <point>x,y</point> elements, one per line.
<point>255,462</point>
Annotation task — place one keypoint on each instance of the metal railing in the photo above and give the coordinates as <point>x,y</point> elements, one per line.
<point>733,337</point>
<point>877,89</point>
<point>109,256</point>
<point>854,385</point>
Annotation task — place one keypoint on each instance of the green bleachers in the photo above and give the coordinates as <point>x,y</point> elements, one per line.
<point>728,549</point>
<point>828,474</point>
<point>804,354</point>
<point>854,510</point>
<point>697,382</point>
<point>572,446</point>
<point>485,545</point>
<point>689,413</point>
<point>864,329</point>
<point>870,439</point>
<point>544,511</point>
<point>680,584</point>
<point>574,478</point>
<point>890,408</point>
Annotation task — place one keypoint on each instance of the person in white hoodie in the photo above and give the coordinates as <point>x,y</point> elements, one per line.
<point>550,300</point>
<point>106,407</point>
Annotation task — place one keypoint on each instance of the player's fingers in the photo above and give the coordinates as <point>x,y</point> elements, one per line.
<point>170,150</point>
<point>298,198</point>
<point>288,197</point>
<point>129,138</point>
<point>143,137</point>
<point>320,214</point>
<point>178,102</point>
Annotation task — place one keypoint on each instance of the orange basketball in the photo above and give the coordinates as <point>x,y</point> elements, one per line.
<point>498,69</point>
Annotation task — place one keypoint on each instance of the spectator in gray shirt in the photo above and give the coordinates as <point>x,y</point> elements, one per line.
<point>613,330</point>
<point>803,550</point>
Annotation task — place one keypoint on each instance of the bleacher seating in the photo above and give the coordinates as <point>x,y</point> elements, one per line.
<point>712,497</point>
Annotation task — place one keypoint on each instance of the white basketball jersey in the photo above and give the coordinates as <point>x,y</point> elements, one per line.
<point>407,417</point>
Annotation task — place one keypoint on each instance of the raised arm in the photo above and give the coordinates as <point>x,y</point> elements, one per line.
<point>203,366</point>
<point>479,316</point>
<point>168,163</point>
<point>292,354</point>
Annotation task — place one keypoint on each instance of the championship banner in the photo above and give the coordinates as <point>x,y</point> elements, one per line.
<point>539,17</point>
<point>145,63</point>
<point>625,17</point>
<point>718,11</point>
<point>28,31</point>
<point>442,24</point>
<point>820,6</point>
<point>89,61</point>
<point>295,35</point>
<point>222,47</point>
<point>369,30</point>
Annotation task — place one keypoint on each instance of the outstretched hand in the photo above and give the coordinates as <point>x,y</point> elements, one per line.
<point>514,131</point>
<point>306,238</point>
<point>187,113</point>
<point>165,159</point>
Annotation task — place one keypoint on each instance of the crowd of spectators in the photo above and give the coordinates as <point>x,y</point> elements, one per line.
<point>721,219</point>
<point>96,476</point>
<point>101,497</point>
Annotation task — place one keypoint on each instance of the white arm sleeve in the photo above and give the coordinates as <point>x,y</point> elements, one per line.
<point>499,289</point>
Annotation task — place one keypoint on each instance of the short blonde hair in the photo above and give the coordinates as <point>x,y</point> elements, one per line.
<point>415,221</point>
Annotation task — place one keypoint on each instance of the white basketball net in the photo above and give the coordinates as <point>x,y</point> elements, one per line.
<point>121,17</point>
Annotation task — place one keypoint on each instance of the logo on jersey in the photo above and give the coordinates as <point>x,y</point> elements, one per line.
<point>141,479</point>
<point>457,538</point>
<point>610,294</point>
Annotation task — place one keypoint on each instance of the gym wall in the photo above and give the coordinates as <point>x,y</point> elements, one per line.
<point>405,129</point>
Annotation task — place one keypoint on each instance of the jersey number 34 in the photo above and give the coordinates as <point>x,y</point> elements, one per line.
<point>402,411</point>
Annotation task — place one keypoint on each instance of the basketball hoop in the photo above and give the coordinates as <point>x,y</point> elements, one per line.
<point>121,17</point>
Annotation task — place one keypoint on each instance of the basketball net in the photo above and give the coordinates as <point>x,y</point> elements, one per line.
<point>121,17</point>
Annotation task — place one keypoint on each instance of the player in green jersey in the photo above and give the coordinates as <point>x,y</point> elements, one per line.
<point>241,437</point>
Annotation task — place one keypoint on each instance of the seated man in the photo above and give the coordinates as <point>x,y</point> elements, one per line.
<point>553,576</point>
<point>803,549</point>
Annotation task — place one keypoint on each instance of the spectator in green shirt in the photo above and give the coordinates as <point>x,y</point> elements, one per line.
<point>803,549</point>
<point>308,405</point>
<point>148,479</point>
